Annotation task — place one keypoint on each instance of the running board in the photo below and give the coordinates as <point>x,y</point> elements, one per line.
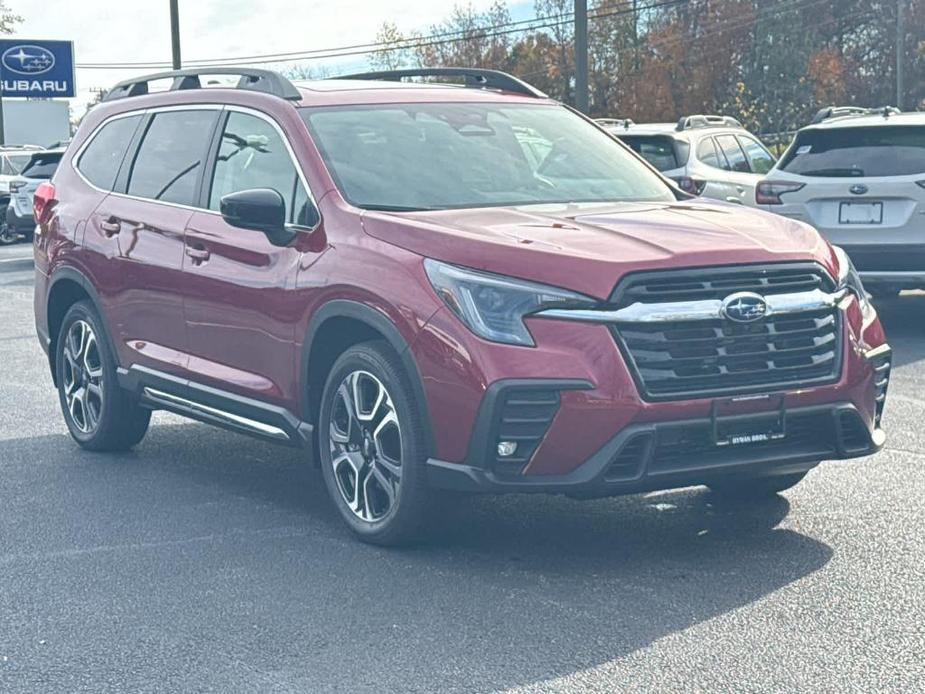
<point>270,422</point>
<point>212,415</point>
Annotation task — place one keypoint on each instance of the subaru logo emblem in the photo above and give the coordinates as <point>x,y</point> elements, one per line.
<point>27,60</point>
<point>858,189</point>
<point>744,307</point>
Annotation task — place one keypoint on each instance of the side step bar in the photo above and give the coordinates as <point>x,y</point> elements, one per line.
<point>211,415</point>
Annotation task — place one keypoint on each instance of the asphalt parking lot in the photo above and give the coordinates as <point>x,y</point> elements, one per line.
<point>204,561</point>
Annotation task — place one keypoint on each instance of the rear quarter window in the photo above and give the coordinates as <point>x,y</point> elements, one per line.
<point>99,163</point>
<point>854,152</point>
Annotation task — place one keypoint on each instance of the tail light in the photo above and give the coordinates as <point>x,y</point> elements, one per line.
<point>16,185</point>
<point>42,201</point>
<point>769,192</point>
<point>690,185</point>
<point>921,183</point>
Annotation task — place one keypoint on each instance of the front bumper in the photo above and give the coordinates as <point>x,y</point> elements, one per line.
<point>574,407</point>
<point>666,455</point>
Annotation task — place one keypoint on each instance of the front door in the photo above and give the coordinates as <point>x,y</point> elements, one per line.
<point>239,316</point>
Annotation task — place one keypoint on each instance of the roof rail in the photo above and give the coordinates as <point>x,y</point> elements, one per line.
<point>473,77</point>
<point>252,79</point>
<point>824,114</point>
<point>701,121</point>
<point>614,122</point>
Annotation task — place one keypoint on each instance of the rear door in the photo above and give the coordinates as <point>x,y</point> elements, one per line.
<point>239,313</point>
<point>740,182</point>
<point>863,188</point>
<point>137,233</point>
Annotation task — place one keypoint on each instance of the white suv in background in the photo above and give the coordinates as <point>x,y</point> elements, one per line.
<point>712,156</point>
<point>858,176</point>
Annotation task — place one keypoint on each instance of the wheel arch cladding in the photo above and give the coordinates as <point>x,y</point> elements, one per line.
<point>67,287</point>
<point>338,325</point>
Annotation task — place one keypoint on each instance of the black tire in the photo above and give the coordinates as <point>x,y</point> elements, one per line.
<point>8,235</point>
<point>755,487</point>
<point>372,365</point>
<point>113,420</point>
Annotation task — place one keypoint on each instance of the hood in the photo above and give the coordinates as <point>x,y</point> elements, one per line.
<point>589,247</point>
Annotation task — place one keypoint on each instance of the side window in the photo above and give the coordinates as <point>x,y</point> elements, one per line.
<point>706,153</point>
<point>734,154</point>
<point>759,157</point>
<point>102,158</point>
<point>170,157</point>
<point>254,155</point>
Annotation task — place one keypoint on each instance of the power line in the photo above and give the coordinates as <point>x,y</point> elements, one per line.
<point>416,42</point>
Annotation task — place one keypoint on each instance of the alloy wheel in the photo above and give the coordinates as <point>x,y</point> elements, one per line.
<point>365,446</point>
<point>83,377</point>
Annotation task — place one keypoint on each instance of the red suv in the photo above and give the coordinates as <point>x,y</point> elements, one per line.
<point>435,286</point>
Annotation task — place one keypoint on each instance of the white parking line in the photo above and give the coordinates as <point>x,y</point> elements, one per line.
<point>17,260</point>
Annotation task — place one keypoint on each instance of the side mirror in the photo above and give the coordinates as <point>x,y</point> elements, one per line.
<point>259,209</point>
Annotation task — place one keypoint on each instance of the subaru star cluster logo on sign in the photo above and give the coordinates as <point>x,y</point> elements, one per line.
<point>744,307</point>
<point>37,69</point>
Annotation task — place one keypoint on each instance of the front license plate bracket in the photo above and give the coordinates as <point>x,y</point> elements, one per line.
<point>733,429</point>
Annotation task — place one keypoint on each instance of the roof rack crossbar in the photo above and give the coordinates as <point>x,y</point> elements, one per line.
<point>704,121</point>
<point>824,114</point>
<point>473,77</point>
<point>251,79</point>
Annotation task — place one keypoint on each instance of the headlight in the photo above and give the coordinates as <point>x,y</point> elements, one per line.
<point>848,278</point>
<point>494,306</point>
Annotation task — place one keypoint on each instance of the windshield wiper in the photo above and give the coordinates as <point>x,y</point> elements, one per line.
<point>834,172</point>
<point>399,208</point>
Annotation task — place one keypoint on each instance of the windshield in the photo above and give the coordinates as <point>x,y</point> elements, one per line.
<point>42,165</point>
<point>852,152</point>
<point>452,155</point>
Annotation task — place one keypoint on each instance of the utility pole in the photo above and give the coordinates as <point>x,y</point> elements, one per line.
<point>175,33</point>
<point>581,55</point>
<point>900,41</point>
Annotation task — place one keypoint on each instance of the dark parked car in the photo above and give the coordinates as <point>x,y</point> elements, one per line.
<point>405,281</point>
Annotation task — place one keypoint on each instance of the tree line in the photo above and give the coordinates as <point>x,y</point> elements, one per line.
<point>769,63</point>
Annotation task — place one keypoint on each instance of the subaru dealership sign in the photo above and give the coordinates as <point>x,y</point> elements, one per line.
<point>37,69</point>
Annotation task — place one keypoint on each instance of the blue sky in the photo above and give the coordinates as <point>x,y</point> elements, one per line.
<point>138,30</point>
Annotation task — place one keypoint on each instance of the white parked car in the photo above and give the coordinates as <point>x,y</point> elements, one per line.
<point>41,166</point>
<point>712,156</point>
<point>858,176</point>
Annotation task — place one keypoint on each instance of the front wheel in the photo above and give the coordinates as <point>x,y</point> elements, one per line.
<point>372,445</point>
<point>752,487</point>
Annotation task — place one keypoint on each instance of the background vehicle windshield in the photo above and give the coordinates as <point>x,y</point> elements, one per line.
<point>11,164</point>
<point>881,151</point>
<point>442,155</point>
<point>42,165</point>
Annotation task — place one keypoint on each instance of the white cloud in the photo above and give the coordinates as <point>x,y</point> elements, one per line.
<point>104,31</point>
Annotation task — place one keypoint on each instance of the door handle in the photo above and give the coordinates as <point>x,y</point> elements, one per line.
<point>199,255</point>
<point>111,226</point>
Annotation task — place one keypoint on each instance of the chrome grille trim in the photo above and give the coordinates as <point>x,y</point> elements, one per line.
<point>710,309</point>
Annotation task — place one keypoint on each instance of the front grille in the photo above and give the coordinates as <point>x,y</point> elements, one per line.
<point>718,283</point>
<point>701,358</point>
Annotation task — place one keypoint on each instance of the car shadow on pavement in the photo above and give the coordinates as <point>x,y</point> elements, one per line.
<point>223,558</point>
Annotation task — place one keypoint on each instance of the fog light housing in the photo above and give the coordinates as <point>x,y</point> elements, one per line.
<point>506,449</point>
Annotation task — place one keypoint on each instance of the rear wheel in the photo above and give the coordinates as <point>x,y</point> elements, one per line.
<point>373,446</point>
<point>100,415</point>
<point>8,234</point>
<point>751,487</point>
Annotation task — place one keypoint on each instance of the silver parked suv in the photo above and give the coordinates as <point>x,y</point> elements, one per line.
<point>713,156</point>
<point>858,176</point>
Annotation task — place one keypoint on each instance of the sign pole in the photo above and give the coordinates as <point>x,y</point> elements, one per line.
<point>175,33</point>
<point>2,134</point>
